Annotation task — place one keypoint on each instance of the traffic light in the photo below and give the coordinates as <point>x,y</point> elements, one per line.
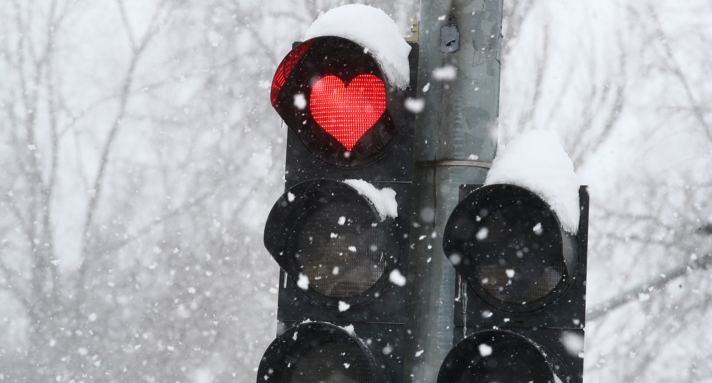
<point>520,304</point>
<point>340,230</point>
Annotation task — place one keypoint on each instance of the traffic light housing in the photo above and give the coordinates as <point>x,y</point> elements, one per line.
<point>340,230</point>
<point>521,287</point>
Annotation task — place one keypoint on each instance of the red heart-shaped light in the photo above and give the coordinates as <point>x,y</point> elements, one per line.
<point>348,112</point>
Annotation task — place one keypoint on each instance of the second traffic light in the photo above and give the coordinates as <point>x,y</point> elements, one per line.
<point>520,310</point>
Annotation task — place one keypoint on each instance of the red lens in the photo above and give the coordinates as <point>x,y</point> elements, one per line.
<point>347,112</point>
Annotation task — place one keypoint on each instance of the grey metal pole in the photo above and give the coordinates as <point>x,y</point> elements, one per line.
<point>455,142</point>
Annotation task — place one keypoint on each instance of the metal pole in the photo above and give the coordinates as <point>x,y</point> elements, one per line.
<point>455,141</point>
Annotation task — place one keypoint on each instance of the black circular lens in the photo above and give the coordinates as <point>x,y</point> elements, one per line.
<point>495,357</point>
<point>326,233</point>
<point>317,352</point>
<point>510,361</point>
<point>330,360</point>
<point>510,246</point>
<point>514,262</point>
<point>341,249</point>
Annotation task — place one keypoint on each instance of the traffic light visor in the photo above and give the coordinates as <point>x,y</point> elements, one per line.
<point>496,356</point>
<point>509,245</point>
<point>318,352</point>
<point>332,242</point>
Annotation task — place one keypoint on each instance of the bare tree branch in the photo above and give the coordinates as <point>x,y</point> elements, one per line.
<point>655,283</point>
<point>12,283</point>
<point>674,66</point>
<point>103,162</point>
<point>127,25</point>
<point>542,66</point>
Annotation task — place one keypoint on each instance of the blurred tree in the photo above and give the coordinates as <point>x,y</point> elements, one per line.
<point>139,158</point>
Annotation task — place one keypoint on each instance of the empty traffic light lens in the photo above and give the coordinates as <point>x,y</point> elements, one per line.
<point>509,245</point>
<point>332,242</point>
<point>495,356</point>
<point>317,352</point>
<point>513,261</point>
<point>340,248</point>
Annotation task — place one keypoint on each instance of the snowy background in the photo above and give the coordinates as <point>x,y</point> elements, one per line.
<point>139,156</point>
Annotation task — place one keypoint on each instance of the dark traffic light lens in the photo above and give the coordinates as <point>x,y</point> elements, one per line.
<point>514,262</point>
<point>331,362</point>
<point>317,352</point>
<point>340,248</point>
<point>495,357</point>
<point>326,233</point>
<point>509,245</point>
<point>511,361</point>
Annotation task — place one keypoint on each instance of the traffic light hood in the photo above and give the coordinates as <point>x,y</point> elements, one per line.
<point>536,161</point>
<point>331,240</point>
<point>318,351</point>
<point>499,356</point>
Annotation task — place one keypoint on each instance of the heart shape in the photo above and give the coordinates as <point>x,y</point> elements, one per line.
<point>348,112</point>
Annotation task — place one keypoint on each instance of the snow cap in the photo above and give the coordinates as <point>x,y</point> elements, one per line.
<point>374,30</point>
<point>534,160</point>
<point>383,200</point>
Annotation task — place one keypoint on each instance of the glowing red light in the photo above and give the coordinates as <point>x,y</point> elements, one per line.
<point>348,112</point>
<point>285,68</point>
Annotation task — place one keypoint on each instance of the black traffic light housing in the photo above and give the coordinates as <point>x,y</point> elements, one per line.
<point>518,272</point>
<point>319,213</point>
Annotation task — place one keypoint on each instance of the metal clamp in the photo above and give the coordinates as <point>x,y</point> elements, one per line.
<point>477,164</point>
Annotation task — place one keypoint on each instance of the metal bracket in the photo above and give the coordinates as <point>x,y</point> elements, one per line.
<point>449,38</point>
<point>413,38</point>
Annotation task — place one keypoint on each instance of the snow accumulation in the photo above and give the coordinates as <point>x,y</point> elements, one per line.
<point>534,160</point>
<point>372,29</point>
<point>396,277</point>
<point>303,282</point>
<point>349,329</point>
<point>383,200</point>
